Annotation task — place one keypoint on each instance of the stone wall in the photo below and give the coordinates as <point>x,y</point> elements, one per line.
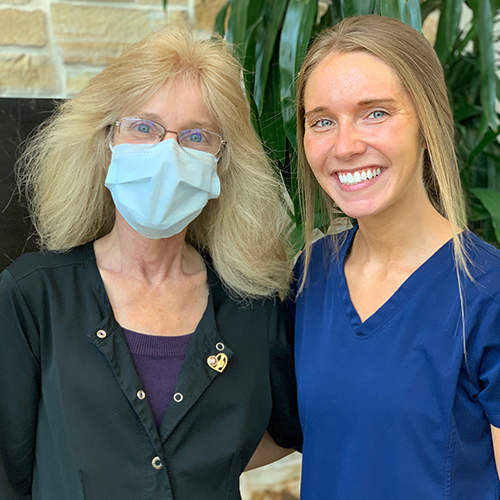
<point>51,48</point>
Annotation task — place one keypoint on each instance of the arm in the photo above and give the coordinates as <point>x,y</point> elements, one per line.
<point>267,452</point>
<point>20,374</point>
<point>284,426</point>
<point>495,434</point>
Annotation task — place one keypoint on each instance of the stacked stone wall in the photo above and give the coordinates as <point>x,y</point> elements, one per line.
<point>51,48</point>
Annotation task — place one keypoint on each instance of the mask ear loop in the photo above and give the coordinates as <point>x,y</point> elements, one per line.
<point>218,155</point>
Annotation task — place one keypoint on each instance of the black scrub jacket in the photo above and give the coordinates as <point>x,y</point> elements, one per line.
<point>74,424</point>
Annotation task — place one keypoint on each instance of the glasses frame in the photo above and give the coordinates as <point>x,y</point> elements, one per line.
<point>222,145</point>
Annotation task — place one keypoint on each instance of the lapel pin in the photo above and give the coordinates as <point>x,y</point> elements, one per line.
<point>217,363</point>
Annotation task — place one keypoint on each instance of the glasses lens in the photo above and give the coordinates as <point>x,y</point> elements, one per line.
<point>140,131</point>
<point>200,139</point>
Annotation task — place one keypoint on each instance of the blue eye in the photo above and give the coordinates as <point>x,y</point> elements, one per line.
<point>378,114</point>
<point>195,137</point>
<point>145,129</point>
<point>324,123</point>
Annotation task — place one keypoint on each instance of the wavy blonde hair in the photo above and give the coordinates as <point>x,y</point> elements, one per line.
<point>417,66</point>
<point>64,165</point>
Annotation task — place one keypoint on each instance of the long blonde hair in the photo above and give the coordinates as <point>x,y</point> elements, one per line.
<point>64,165</point>
<point>417,66</point>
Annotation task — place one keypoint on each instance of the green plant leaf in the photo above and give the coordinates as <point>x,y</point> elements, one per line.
<point>491,201</point>
<point>392,8</point>
<point>351,8</point>
<point>487,139</point>
<point>413,16</point>
<point>466,110</point>
<point>267,33</point>
<point>237,23</point>
<point>295,36</point>
<point>448,28</point>
<point>220,20</point>
<point>484,21</point>
<point>271,120</point>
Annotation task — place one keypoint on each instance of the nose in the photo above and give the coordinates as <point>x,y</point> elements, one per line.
<point>348,142</point>
<point>169,134</point>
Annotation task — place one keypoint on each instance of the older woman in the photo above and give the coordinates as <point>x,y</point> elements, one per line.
<point>135,363</point>
<point>398,320</point>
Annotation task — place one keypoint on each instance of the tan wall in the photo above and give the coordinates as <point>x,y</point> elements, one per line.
<point>51,48</point>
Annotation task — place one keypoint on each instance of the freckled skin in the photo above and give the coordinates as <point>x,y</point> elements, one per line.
<point>359,116</point>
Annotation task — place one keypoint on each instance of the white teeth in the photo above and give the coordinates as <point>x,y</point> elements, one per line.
<point>358,176</point>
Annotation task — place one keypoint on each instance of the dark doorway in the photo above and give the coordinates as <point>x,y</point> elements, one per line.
<point>18,117</point>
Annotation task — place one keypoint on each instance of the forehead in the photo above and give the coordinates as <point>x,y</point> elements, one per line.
<point>177,103</point>
<point>353,76</point>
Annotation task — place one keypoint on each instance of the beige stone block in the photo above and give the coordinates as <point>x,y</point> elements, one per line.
<point>170,3</point>
<point>76,80</point>
<point>16,2</point>
<point>206,12</point>
<point>97,35</point>
<point>101,53</point>
<point>22,27</point>
<point>179,18</point>
<point>27,73</point>
<point>99,24</point>
<point>430,26</point>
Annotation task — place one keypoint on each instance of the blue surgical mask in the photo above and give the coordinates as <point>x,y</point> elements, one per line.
<point>160,189</point>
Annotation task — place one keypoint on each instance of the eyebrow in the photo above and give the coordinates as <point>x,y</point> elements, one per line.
<point>364,102</point>
<point>156,118</point>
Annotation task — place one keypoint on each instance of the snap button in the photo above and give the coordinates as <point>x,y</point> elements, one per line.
<point>141,394</point>
<point>219,346</point>
<point>178,397</point>
<point>156,463</point>
<point>101,334</point>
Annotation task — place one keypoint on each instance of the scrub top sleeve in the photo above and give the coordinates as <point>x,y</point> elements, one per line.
<point>20,375</point>
<point>487,350</point>
<point>284,425</point>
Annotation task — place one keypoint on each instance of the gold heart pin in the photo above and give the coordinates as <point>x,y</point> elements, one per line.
<point>217,363</point>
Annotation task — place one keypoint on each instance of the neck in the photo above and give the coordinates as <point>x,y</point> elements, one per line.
<point>408,233</point>
<point>126,251</point>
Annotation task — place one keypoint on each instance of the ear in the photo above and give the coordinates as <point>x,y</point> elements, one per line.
<point>424,144</point>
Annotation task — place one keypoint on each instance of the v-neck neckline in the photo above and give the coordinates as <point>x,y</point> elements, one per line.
<point>436,263</point>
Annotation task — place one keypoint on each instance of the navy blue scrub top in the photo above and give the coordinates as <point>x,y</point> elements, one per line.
<point>389,408</point>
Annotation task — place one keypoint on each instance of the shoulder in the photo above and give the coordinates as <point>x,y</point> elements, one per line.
<point>324,251</point>
<point>38,263</point>
<point>484,264</point>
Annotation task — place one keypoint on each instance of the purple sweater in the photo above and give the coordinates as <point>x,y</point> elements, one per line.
<point>158,361</point>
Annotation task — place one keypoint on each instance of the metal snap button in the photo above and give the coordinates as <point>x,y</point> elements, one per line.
<point>141,394</point>
<point>178,397</point>
<point>101,334</point>
<point>220,346</point>
<point>156,463</point>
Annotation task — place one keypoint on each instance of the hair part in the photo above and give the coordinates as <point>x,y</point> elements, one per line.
<point>64,165</point>
<point>417,66</point>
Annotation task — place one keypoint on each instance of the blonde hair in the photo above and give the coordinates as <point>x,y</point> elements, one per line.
<point>417,66</point>
<point>64,165</point>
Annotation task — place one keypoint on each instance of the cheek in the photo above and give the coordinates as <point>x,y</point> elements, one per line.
<point>316,152</point>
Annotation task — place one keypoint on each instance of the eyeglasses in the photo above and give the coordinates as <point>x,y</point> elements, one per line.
<point>141,131</point>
